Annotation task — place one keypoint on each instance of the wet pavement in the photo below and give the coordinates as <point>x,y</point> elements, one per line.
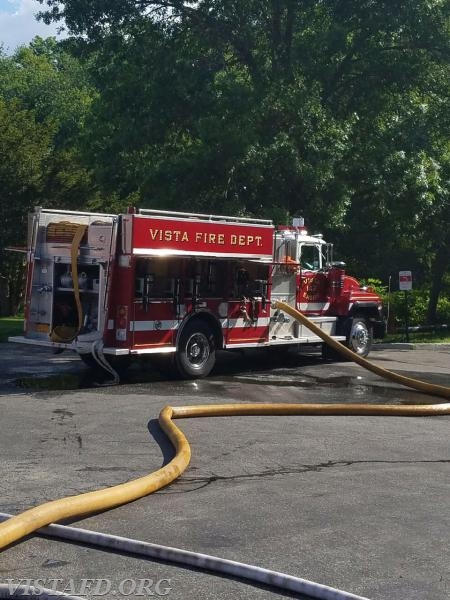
<point>21,368</point>
<point>358,503</point>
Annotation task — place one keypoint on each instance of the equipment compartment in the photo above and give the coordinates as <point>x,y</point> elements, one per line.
<point>64,303</point>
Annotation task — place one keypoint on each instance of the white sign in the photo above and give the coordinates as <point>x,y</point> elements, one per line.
<point>405,280</point>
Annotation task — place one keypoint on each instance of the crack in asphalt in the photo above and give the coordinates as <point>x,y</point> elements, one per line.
<point>205,481</point>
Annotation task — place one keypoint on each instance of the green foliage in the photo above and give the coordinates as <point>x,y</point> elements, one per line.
<point>417,308</point>
<point>48,80</point>
<point>44,98</point>
<point>24,149</point>
<point>334,110</point>
<point>418,300</point>
<point>185,120</point>
<point>53,84</point>
<point>443,310</point>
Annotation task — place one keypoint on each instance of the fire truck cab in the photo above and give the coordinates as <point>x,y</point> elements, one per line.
<point>183,285</point>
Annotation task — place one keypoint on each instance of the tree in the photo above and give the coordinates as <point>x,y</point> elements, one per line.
<point>44,98</point>
<point>196,104</point>
<point>24,149</point>
<point>337,109</point>
<point>54,85</point>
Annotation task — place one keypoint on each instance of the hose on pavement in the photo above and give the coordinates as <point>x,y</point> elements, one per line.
<point>416,384</point>
<point>203,562</point>
<point>33,519</point>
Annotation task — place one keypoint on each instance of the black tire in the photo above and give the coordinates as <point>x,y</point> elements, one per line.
<point>196,353</point>
<point>360,336</point>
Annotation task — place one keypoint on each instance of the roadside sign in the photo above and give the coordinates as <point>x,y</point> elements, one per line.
<point>405,280</point>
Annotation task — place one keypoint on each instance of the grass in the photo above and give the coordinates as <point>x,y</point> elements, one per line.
<point>10,326</point>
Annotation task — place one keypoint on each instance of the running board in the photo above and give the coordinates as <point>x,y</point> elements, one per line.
<point>312,339</point>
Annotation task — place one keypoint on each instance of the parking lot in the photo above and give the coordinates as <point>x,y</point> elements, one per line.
<point>357,503</point>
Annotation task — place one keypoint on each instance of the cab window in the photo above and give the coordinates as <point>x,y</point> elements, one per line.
<point>310,257</point>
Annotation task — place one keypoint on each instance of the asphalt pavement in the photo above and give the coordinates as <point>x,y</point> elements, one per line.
<point>357,503</point>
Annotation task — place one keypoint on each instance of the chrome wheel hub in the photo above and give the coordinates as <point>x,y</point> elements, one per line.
<point>197,350</point>
<point>360,336</point>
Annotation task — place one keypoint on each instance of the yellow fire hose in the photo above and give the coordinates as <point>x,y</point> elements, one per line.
<point>25,523</point>
<point>416,384</point>
<point>63,333</point>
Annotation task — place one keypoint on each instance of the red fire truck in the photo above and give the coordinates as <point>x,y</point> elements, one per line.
<point>184,285</point>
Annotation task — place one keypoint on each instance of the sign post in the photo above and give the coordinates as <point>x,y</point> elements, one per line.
<point>405,284</point>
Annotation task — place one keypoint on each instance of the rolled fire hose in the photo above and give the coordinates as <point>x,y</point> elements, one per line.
<point>33,519</point>
<point>62,333</point>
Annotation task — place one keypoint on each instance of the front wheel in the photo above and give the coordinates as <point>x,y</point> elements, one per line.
<point>196,355</point>
<point>360,336</point>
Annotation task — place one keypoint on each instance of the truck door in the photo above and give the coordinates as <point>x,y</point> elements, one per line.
<point>313,284</point>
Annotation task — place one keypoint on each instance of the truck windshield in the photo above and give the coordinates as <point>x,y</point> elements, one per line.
<point>310,257</point>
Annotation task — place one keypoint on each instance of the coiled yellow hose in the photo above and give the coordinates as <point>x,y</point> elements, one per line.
<point>35,518</point>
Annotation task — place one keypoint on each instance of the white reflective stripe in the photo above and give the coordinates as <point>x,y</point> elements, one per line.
<point>173,252</point>
<point>168,325</point>
<point>306,306</point>
<point>156,325</point>
<point>160,350</point>
<point>110,324</point>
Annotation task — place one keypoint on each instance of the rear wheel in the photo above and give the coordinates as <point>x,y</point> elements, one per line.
<point>196,354</point>
<point>360,336</point>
